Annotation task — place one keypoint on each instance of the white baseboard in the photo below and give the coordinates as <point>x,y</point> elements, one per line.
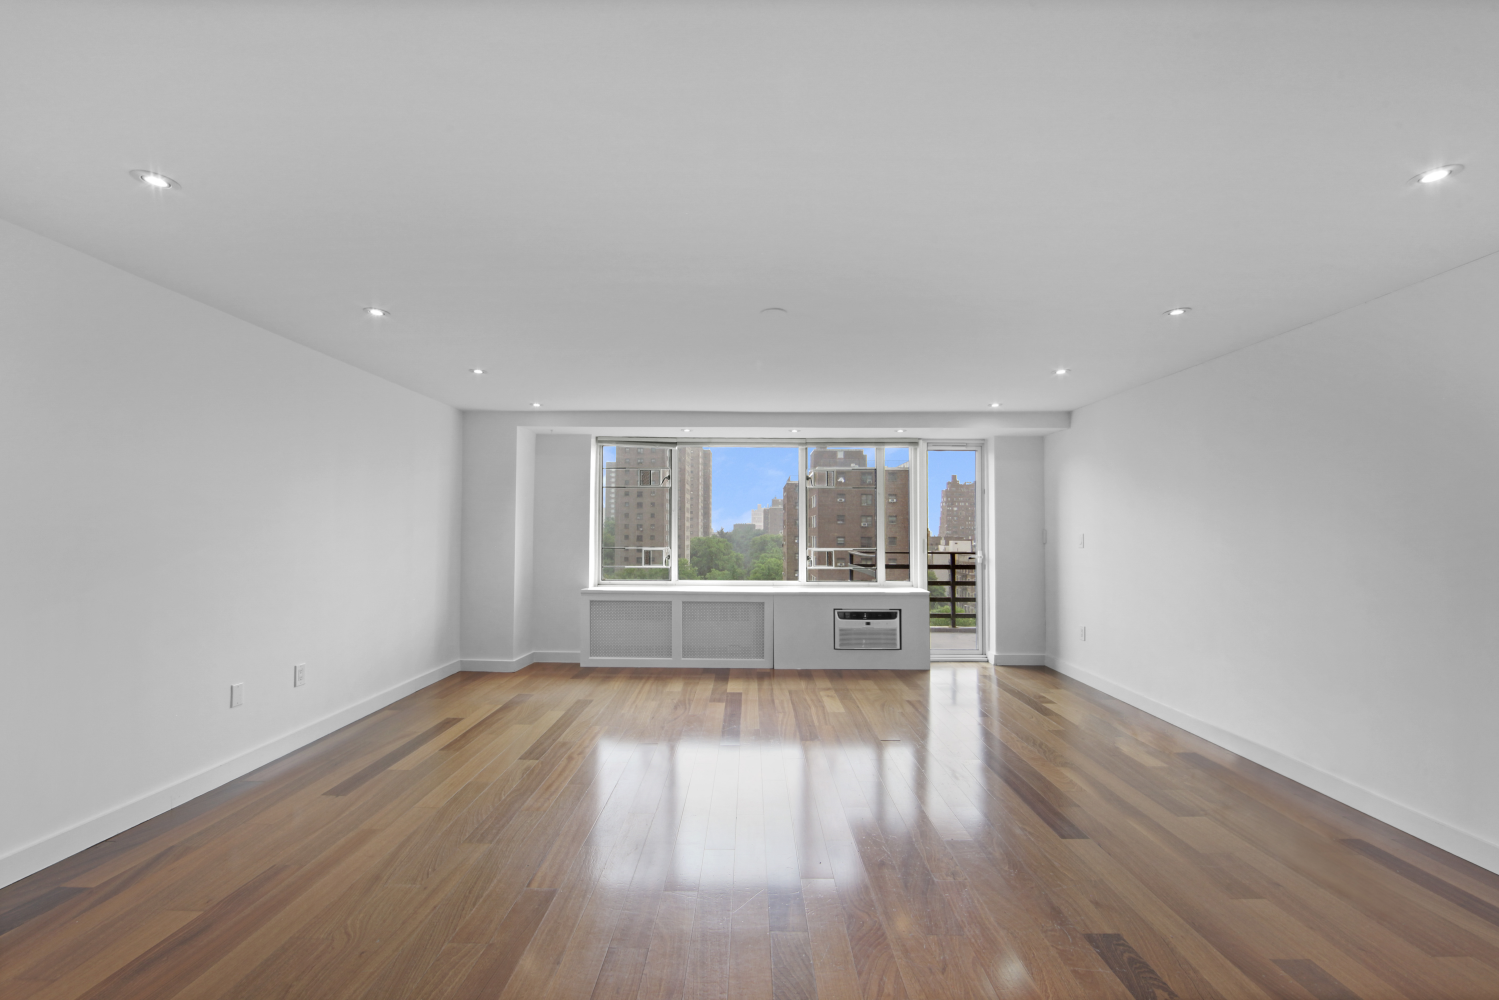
<point>1455,840</point>
<point>49,850</point>
<point>510,666</point>
<point>1018,659</point>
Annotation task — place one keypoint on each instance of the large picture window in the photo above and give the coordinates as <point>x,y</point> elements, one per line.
<point>754,512</point>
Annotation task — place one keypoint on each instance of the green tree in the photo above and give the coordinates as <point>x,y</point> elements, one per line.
<point>714,558</point>
<point>770,566</point>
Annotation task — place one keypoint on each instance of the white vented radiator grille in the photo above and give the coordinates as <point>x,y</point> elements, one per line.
<point>630,628</point>
<point>866,629</point>
<point>723,630</point>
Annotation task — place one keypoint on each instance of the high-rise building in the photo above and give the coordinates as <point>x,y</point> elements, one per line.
<point>847,513</point>
<point>958,507</point>
<point>638,505</point>
<point>773,518</point>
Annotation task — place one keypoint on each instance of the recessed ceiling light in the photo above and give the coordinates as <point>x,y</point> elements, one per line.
<point>993,406</point>
<point>151,178</point>
<point>477,371</point>
<point>376,311</point>
<point>686,430</point>
<point>535,404</point>
<point>900,430</point>
<point>1178,310</point>
<point>795,431</point>
<point>1061,371</point>
<point>1436,174</point>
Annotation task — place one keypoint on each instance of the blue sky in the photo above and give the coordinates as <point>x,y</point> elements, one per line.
<point>743,477</point>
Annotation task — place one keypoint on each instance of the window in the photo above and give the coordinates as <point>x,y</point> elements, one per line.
<point>760,523</point>
<point>623,554</point>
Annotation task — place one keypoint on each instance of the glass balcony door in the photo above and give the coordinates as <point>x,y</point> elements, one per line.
<point>953,550</point>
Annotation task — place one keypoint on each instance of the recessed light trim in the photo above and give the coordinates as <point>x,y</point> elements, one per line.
<point>536,404</point>
<point>900,430</point>
<point>152,179</point>
<point>1178,310</point>
<point>376,312</point>
<point>477,371</point>
<point>1438,174</point>
<point>795,431</point>
<point>995,406</point>
<point>686,430</point>
<point>1061,371</point>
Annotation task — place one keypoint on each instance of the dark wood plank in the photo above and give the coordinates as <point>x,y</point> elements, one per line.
<point>400,753</point>
<point>1440,887</point>
<point>554,732</point>
<point>482,729</point>
<point>1315,980</point>
<point>1143,982</point>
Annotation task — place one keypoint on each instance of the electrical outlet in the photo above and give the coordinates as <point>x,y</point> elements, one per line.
<point>236,694</point>
<point>299,674</point>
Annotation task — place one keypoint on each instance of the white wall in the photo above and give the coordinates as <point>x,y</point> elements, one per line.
<point>560,557</point>
<point>1016,511</point>
<point>1293,550</point>
<point>187,501</point>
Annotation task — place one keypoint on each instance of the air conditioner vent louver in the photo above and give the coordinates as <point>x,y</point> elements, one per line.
<point>723,630</point>
<point>873,629</point>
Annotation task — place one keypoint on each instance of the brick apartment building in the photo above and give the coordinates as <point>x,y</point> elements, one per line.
<point>959,506</point>
<point>637,499</point>
<point>846,513</point>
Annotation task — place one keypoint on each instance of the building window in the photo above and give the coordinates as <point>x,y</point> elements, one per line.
<point>891,541</point>
<point>866,478</point>
<point>838,540</point>
<point>867,521</point>
<point>867,499</point>
<point>839,519</point>
<point>893,498</point>
<point>890,518</point>
<point>866,541</point>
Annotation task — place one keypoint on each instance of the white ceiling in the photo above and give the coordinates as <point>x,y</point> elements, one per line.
<point>594,201</point>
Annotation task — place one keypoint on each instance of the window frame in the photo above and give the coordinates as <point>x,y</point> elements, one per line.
<point>804,448</point>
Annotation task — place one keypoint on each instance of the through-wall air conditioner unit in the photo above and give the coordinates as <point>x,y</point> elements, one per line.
<point>866,629</point>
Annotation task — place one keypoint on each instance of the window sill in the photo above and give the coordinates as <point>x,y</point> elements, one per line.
<point>723,587</point>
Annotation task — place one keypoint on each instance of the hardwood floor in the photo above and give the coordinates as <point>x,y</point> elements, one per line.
<point>567,833</point>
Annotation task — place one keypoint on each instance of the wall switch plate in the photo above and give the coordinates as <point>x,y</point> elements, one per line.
<point>1082,631</point>
<point>299,674</point>
<point>236,694</point>
<point>1082,541</point>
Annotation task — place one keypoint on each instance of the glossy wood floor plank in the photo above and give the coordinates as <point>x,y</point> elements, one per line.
<point>561,833</point>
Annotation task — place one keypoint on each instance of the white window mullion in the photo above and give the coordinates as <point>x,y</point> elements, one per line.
<point>803,549</point>
<point>672,498</point>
